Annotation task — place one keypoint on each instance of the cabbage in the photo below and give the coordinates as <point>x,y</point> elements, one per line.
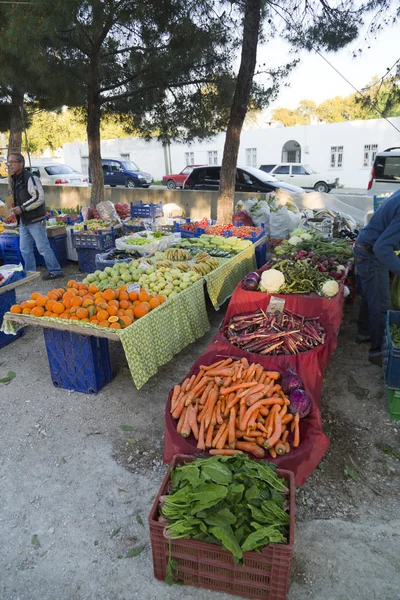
<point>330,288</point>
<point>306,236</point>
<point>291,381</point>
<point>300,402</point>
<point>298,232</point>
<point>272,280</point>
<point>295,240</point>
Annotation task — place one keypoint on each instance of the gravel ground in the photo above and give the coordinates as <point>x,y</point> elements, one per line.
<point>76,493</point>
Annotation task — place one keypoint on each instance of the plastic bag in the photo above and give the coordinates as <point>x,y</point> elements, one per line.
<point>153,245</point>
<point>107,212</point>
<point>258,211</point>
<point>12,273</point>
<point>86,213</point>
<point>282,222</point>
<point>243,217</point>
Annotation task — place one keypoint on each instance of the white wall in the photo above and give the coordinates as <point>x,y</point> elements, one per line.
<point>315,141</point>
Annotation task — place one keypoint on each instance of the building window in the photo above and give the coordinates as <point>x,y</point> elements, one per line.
<point>251,157</point>
<point>336,157</point>
<point>189,158</point>
<point>125,157</point>
<point>370,151</point>
<point>212,157</point>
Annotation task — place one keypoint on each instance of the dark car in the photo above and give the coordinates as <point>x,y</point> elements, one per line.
<point>248,179</point>
<point>124,172</point>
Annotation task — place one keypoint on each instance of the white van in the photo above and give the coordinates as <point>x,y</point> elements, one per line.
<point>385,174</point>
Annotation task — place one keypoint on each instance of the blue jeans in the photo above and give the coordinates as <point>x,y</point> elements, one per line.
<point>375,297</point>
<point>36,232</point>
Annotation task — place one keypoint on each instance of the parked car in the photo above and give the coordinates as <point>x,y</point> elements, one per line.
<point>177,180</point>
<point>124,172</point>
<point>248,179</point>
<point>58,175</point>
<point>385,173</point>
<point>301,175</point>
<point>3,167</point>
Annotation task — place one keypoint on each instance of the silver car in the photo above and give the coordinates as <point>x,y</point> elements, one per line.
<point>58,175</point>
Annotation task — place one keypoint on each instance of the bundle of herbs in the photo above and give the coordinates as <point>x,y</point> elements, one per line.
<point>275,333</point>
<point>232,501</point>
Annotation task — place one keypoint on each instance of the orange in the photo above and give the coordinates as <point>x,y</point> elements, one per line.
<point>140,311</point>
<point>82,313</point>
<point>123,296</point>
<point>71,283</point>
<point>144,296</point>
<point>82,286</point>
<point>109,294</point>
<point>147,304</point>
<point>101,302</point>
<point>76,301</point>
<point>26,311</point>
<point>154,302</point>
<point>126,320</point>
<point>94,321</point>
<point>115,326</point>
<point>128,313</point>
<point>133,296</point>
<point>136,303</point>
<point>31,303</point>
<point>102,315</point>
<point>93,289</point>
<point>49,305</point>
<point>16,309</point>
<point>161,299</point>
<point>123,304</point>
<point>112,311</point>
<point>104,324</point>
<point>123,288</point>
<point>116,292</point>
<point>47,313</point>
<point>35,295</point>
<point>113,303</point>
<point>64,315</point>
<point>58,308</point>
<point>73,318</point>
<point>120,313</point>
<point>53,295</point>
<point>113,319</point>
<point>85,320</point>
<point>37,311</point>
<point>87,302</point>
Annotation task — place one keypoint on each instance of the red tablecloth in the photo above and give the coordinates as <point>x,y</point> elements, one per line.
<point>301,461</point>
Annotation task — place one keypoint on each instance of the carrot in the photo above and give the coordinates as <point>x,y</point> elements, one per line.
<point>284,397</point>
<point>261,427</point>
<point>254,390</point>
<point>259,373</point>
<point>272,391</point>
<point>239,433</point>
<point>201,415</point>
<point>218,436</point>
<point>213,366</point>
<point>223,404</point>
<point>296,440</point>
<point>271,441</point>
<point>285,436</point>
<point>286,419</point>
<point>204,395</point>
<point>201,442</point>
<point>223,438</point>
<point>272,452</point>
<point>212,399</point>
<point>184,384</point>
<point>273,375</point>
<point>230,405</point>
<point>209,435</point>
<point>189,397</point>
<point>175,396</point>
<point>214,416</point>
<point>200,386</point>
<point>292,425</point>
<point>227,381</point>
<point>231,433</point>
<point>186,429</point>
<point>252,433</point>
<point>287,447</point>
<point>238,386</point>
<point>192,419</point>
<point>260,440</point>
<point>179,407</point>
<point>252,421</point>
<point>250,400</point>
<point>264,411</point>
<point>220,372</point>
<point>250,373</point>
<point>181,420</point>
<point>280,448</point>
<point>252,448</point>
<point>219,415</point>
<point>225,452</point>
<point>190,383</point>
<point>245,362</point>
<point>283,410</point>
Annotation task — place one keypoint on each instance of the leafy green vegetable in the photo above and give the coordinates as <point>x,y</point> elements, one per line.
<point>134,551</point>
<point>10,376</point>
<point>225,535</point>
<point>351,473</point>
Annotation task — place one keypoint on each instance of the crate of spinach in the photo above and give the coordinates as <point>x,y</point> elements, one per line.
<point>225,523</point>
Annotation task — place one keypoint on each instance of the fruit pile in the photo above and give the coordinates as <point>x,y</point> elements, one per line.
<point>2,227</point>
<point>93,225</point>
<point>115,309</point>
<point>194,225</point>
<point>244,231</point>
<point>11,219</point>
<point>123,211</point>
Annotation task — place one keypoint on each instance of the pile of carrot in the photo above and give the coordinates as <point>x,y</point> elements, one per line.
<point>231,406</point>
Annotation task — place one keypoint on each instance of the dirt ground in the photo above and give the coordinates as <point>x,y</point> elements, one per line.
<point>76,487</point>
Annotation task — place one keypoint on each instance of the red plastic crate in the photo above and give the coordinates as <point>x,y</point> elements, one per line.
<point>264,575</point>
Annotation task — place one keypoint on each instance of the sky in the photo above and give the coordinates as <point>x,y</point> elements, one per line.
<point>314,79</point>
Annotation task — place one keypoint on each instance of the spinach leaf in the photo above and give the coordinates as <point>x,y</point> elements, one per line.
<point>225,535</point>
<point>206,496</point>
<point>217,472</point>
<point>261,537</point>
<point>235,494</point>
<point>222,517</point>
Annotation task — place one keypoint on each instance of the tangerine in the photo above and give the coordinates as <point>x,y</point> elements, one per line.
<point>113,319</point>
<point>93,289</point>
<point>73,318</point>
<point>71,283</point>
<point>47,313</point>
<point>16,309</point>
<point>133,296</point>
<point>26,311</point>
<point>82,286</point>
<point>126,320</point>
<point>109,294</point>
<point>53,295</point>
<point>94,321</point>
<point>113,303</point>
<point>116,292</point>
<point>102,315</point>
<point>120,313</point>
<point>154,302</point>
<point>104,324</point>
<point>58,308</point>
<point>85,320</point>
<point>128,313</point>
<point>112,311</point>
<point>144,296</point>
<point>31,303</point>
<point>115,326</point>
<point>140,311</point>
<point>147,304</point>
<point>64,315</point>
<point>37,311</point>
<point>123,295</point>
<point>123,288</point>
<point>35,295</point>
<point>161,299</point>
<point>49,305</point>
<point>76,301</point>
<point>124,304</point>
<point>82,313</point>
<point>87,302</point>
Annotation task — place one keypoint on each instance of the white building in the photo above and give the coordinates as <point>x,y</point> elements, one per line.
<point>345,150</point>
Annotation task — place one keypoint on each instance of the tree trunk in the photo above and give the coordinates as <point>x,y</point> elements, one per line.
<point>244,82</point>
<point>93,135</point>
<point>15,139</point>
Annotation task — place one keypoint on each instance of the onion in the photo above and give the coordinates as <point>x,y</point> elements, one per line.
<point>300,402</point>
<point>291,381</point>
<point>250,282</point>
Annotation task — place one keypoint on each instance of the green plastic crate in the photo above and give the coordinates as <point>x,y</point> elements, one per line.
<point>393,400</point>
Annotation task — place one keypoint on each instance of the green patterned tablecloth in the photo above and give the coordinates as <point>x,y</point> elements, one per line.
<point>222,282</point>
<point>153,340</point>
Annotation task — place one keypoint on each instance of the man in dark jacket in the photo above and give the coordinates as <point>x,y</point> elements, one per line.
<point>30,210</point>
<point>375,256</point>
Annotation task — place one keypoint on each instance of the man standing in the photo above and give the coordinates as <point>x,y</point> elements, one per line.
<point>374,254</point>
<point>30,210</point>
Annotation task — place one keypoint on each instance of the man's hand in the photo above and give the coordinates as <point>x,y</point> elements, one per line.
<point>16,210</point>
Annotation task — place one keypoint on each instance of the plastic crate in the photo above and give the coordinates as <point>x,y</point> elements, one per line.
<point>77,362</point>
<point>391,353</point>
<point>98,241</point>
<point>188,234</point>
<point>127,229</point>
<point>87,259</point>
<point>11,257</point>
<point>6,301</point>
<point>261,255</point>
<point>9,243</point>
<point>59,246</point>
<point>102,261</point>
<point>393,403</point>
<point>263,575</point>
<point>149,211</point>
<point>378,200</point>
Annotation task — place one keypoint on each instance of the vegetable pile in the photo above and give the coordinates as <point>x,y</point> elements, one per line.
<point>123,211</point>
<point>299,277</point>
<point>194,225</point>
<point>243,231</point>
<point>275,333</point>
<point>231,405</point>
<point>235,502</point>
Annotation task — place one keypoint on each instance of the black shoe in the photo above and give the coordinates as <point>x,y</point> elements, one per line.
<point>360,339</point>
<point>49,276</point>
<point>376,360</point>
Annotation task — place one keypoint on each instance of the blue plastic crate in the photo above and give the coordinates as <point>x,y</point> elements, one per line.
<point>6,301</point>
<point>253,237</point>
<point>77,362</point>
<point>9,242</point>
<point>103,240</point>
<point>391,353</point>
<point>102,261</point>
<point>58,244</point>
<point>261,255</point>
<point>149,211</point>
<point>188,234</point>
<point>378,201</point>
<point>12,257</point>
<point>87,259</point>
<point>127,229</point>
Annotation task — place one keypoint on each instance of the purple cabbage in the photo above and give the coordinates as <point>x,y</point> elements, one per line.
<point>291,381</point>
<point>300,402</point>
<point>250,282</point>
